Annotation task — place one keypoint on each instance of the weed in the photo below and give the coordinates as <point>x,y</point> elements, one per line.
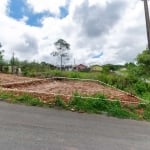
<point>59,102</point>
<point>146,114</point>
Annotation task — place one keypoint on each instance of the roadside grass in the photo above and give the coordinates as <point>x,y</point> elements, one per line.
<point>29,100</point>
<point>23,99</point>
<point>146,111</point>
<point>6,96</point>
<point>96,104</point>
<point>101,105</point>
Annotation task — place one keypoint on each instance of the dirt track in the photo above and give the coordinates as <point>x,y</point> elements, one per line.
<point>66,87</point>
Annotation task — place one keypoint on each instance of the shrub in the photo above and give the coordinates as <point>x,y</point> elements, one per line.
<point>140,87</point>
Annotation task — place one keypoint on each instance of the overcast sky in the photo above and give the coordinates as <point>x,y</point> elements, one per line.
<point>99,31</point>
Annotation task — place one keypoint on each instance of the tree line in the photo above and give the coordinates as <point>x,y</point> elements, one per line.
<point>141,68</point>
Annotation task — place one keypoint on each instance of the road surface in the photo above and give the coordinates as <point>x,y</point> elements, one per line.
<point>32,128</point>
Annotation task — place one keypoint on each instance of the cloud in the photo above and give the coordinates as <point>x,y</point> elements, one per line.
<point>114,28</point>
<point>96,20</point>
<point>3,6</point>
<point>27,48</point>
<point>39,6</point>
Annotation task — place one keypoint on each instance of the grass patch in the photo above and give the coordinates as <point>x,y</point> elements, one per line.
<point>29,100</point>
<point>23,99</point>
<point>95,104</point>
<point>59,103</point>
<point>99,104</point>
<point>146,111</point>
<point>6,96</point>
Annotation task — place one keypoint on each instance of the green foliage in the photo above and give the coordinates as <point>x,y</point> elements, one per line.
<point>34,69</point>
<point>62,48</point>
<point>100,104</point>
<point>96,104</point>
<point>146,96</point>
<point>29,100</point>
<point>117,110</point>
<point>23,99</point>
<point>143,60</point>
<point>146,114</point>
<point>6,95</point>
<point>14,61</point>
<point>130,83</point>
<point>110,67</point>
<point>58,73</point>
<point>1,57</point>
<point>2,62</point>
<point>59,102</point>
<point>74,75</point>
<point>140,87</point>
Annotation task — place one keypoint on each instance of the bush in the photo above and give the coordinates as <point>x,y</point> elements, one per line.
<point>140,87</point>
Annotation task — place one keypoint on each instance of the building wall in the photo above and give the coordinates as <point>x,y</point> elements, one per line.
<point>96,68</point>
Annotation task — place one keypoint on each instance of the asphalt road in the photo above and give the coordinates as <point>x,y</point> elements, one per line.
<point>32,128</point>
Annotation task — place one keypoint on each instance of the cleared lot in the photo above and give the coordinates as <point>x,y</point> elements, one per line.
<point>8,78</point>
<point>65,87</point>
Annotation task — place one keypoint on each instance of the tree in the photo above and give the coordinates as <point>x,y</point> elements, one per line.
<point>1,57</point>
<point>62,50</point>
<point>143,61</point>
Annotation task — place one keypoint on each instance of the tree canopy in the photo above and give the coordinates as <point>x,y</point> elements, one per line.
<point>62,50</point>
<point>143,61</point>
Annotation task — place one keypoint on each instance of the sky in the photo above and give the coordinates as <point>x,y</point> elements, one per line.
<point>98,31</point>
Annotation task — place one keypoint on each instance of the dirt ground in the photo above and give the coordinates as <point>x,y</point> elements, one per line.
<point>8,78</point>
<point>66,87</point>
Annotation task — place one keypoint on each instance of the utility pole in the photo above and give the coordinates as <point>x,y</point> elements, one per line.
<point>147,21</point>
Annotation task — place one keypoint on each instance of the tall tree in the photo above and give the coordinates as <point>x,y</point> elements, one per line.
<point>62,50</point>
<point>143,61</point>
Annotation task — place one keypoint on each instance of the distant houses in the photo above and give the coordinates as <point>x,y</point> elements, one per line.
<point>80,67</point>
<point>96,68</point>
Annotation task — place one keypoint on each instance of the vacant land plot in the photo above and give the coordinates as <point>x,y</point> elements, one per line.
<point>63,87</point>
<point>7,79</point>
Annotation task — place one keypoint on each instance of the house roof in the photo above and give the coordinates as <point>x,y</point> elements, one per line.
<point>81,65</point>
<point>95,66</point>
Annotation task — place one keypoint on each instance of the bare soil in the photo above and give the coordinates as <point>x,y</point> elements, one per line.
<point>66,87</point>
<point>8,78</point>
